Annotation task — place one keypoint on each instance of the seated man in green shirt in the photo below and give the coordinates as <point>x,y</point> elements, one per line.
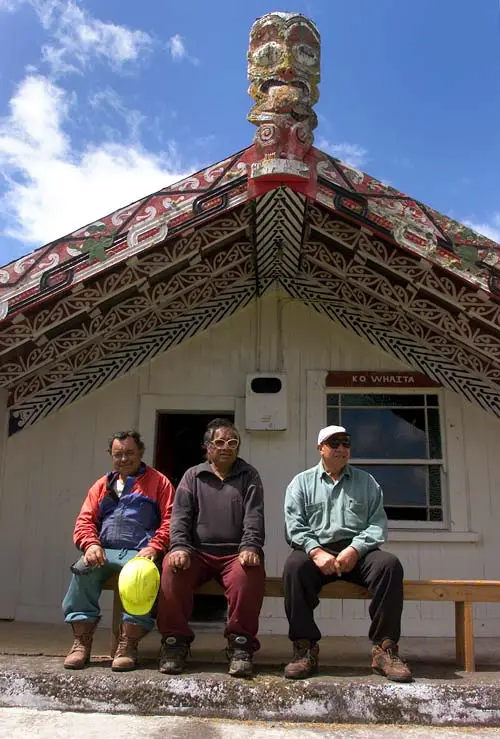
<point>335,522</point>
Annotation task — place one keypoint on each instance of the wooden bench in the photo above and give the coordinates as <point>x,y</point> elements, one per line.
<point>461,592</point>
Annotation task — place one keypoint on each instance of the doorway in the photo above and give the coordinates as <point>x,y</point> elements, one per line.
<point>178,446</point>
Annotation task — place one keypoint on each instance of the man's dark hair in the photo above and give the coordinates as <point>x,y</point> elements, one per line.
<point>219,423</point>
<point>122,435</point>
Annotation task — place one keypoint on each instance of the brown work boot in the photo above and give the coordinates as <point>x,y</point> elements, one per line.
<point>239,653</point>
<point>305,660</point>
<point>125,658</point>
<point>79,654</point>
<point>386,661</point>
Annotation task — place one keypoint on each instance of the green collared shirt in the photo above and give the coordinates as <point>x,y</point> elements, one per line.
<point>319,511</point>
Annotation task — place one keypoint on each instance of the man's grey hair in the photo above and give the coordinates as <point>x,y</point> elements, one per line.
<point>219,423</point>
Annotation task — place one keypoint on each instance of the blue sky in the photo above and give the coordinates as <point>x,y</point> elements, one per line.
<point>105,101</point>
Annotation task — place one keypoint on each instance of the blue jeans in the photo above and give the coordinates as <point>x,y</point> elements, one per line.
<point>81,602</point>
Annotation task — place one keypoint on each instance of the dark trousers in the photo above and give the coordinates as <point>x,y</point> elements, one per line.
<point>380,572</point>
<point>243,588</point>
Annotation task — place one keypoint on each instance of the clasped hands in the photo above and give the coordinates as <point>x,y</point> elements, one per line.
<point>181,560</point>
<point>329,564</point>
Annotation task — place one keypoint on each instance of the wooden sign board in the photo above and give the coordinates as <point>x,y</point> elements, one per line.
<point>378,378</point>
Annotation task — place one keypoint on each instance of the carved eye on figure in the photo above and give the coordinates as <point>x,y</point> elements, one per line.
<point>305,55</point>
<point>268,55</point>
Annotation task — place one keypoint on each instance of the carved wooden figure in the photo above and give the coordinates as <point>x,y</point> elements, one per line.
<point>284,72</point>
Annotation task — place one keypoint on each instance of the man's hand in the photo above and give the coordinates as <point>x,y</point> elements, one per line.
<point>179,560</point>
<point>148,553</point>
<point>347,559</point>
<point>95,555</point>
<point>248,559</point>
<point>325,562</point>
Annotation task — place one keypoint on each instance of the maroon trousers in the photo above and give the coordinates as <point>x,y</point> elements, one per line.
<point>243,588</point>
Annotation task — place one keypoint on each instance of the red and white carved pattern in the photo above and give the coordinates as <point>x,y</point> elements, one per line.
<point>408,305</point>
<point>415,227</point>
<point>420,273</point>
<point>126,321</point>
<point>398,297</point>
<point>168,209</point>
<point>107,287</point>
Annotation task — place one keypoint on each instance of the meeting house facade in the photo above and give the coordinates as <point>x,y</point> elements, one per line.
<point>284,289</point>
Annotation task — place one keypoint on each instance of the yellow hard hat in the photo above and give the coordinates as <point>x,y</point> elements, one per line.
<point>138,585</point>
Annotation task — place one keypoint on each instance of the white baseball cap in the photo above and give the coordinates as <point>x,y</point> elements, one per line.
<point>328,431</point>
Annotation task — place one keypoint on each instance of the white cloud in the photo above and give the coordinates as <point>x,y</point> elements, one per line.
<point>77,37</point>
<point>176,46</point>
<point>10,5</point>
<point>351,154</point>
<point>178,50</point>
<point>490,230</point>
<point>52,189</point>
<point>108,99</point>
<point>56,58</point>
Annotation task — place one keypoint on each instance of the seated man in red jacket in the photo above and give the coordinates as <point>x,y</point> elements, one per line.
<point>217,533</point>
<point>126,514</point>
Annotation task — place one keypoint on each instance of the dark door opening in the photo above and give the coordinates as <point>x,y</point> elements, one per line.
<point>179,445</point>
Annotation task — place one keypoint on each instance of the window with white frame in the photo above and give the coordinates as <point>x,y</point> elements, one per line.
<point>397,438</point>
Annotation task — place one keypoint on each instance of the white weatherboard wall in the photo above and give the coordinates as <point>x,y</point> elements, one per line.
<point>49,467</point>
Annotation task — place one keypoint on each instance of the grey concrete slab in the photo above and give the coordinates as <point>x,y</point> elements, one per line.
<point>332,696</point>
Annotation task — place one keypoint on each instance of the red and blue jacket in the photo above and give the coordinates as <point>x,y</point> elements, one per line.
<point>140,517</point>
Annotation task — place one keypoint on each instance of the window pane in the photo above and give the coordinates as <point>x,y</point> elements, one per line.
<point>435,497</point>
<point>403,485</point>
<point>396,427</point>
<point>434,433</point>
<point>406,514</point>
<point>378,399</point>
<point>435,514</point>
<point>379,433</point>
<point>332,417</point>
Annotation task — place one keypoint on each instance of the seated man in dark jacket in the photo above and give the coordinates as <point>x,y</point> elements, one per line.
<point>126,514</point>
<point>217,532</point>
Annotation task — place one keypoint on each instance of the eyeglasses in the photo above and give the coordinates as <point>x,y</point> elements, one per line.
<point>335,443</point>
<point>123,455</point>
<point>229,443</point>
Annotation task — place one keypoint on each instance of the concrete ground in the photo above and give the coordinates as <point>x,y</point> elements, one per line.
<point>25,723</point>
<point>344,691</point>
<point>54,640</point>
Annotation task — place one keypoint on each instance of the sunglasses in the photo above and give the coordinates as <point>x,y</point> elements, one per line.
<point>223,443</point>
<point>335,443</point>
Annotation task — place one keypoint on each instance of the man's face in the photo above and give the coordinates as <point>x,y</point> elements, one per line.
<point>126,456</point>
<point>336,450</point>
<point>223,449</point>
